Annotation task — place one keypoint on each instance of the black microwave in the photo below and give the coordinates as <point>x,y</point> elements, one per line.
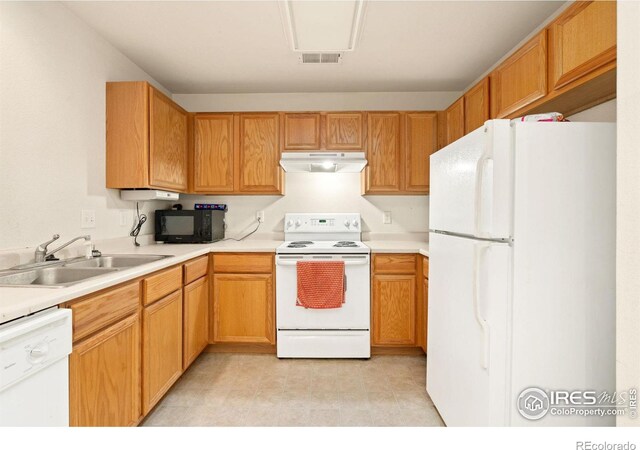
<point>189,226</point>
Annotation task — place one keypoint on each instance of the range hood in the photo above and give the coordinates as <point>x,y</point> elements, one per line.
<point>323,162</point>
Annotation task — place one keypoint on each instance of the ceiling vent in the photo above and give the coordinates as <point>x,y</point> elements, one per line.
<point>320,58</point>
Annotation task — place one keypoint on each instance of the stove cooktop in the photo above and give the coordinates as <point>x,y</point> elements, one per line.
<point>342,246</point>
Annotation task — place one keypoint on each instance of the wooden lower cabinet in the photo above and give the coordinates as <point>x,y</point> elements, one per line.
<point>161,348</point>
<point>423,313</point>
<point>243,308</point>
<point>104,377</point>
<point>195,320</point>
<point>394,310</point>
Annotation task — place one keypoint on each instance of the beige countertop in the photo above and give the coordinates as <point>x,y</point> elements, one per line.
<point>19,301</point>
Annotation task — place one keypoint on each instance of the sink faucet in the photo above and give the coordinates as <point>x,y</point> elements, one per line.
<point>43,255</point>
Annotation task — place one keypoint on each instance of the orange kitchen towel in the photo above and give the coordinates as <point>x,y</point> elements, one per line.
<point>320,284</point>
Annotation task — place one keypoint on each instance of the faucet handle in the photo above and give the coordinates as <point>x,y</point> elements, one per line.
<point>45,244</point>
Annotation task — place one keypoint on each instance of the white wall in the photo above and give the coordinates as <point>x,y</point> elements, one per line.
<point>604,112</point>
<point>52,125</point>
<point>628,214</point>
<point>322,192</point>
<point>318,101</point>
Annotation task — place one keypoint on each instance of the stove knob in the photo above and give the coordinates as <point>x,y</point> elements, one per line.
<point>298,223</point>
<point>347,223</point>
<point>355,223</point>
<point>289,223</point>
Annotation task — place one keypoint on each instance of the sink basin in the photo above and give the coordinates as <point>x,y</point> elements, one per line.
<point>117,261</point>
<point>51,276</point>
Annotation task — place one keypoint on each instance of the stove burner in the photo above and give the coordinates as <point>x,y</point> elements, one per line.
<point>345,244</point>
<point>299,244</point>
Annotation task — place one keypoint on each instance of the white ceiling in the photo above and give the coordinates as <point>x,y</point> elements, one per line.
<point>240,46</point>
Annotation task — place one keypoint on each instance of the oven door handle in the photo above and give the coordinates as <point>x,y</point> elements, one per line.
<point>293,262</point>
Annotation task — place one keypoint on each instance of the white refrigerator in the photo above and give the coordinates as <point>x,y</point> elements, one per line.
<point>521,270</point>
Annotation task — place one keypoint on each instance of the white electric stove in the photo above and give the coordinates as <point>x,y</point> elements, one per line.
<point>323,333</point>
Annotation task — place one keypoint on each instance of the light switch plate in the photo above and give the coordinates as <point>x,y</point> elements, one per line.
<point>88,219</point>
<point>124,216</point>
<point>386,217</point>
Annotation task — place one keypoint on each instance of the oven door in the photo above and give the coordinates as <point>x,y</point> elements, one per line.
<point>355,311</point>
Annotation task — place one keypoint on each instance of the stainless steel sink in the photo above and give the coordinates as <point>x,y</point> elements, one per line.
<point>68,272</point>
<point>117,261</point>
<point>51,276</point>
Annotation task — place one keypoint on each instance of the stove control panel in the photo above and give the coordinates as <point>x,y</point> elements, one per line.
<point>322,223</point>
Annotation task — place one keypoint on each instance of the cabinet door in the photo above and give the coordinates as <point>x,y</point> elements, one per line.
<point>521,79</point>
<point>167,143</point>
<point>301,131</point>
<point>383,173</point>
<point>581,40</point>
<point>243,308</point>
<point>195,320</point>
<point>259,154</point>
<point>423,312</point>
<point>104,377</point>
<point>344,131</point>
<point>394,309</point>
<point>421,140</point>
<point>161,348</point>
<point>213,153</point>
<point>476,106</point>
<point>454,118</point>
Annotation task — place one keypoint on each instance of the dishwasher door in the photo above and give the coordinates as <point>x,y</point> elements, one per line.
<point>34,369</point>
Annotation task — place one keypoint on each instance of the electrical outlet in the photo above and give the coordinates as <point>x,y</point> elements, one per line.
<point>88,219</point>
<point>260,216</point>
<point>386,217</point>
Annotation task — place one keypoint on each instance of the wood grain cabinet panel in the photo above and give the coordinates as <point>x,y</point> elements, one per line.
<point>243,308</point>
<point>394,310</point>
<point>476,106</point>
<point>161,284</point>
<point>104,377</point>
<point>421,140</point>
<point>454,119</point>
<point>301,131</point>
<point>259,154</point>
<point>213,154</point>
<point>521,79</point>
<point>161,348</point>
<point>383,173</point>
<point>423,313</point>
<point>196,268</point>
<point>195,320</point>
<point>147,137</point>
<point>581,40</point>
<point>168,142</point>
<point>344,131</point>
<point>243,263</point>
<point>394,263</point>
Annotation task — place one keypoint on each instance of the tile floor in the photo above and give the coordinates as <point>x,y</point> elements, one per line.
<point>261,390</point>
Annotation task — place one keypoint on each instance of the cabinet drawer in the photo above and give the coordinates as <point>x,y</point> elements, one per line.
<point>97,312</point>
<point>425,267</point>
<point>196,268</point>
<point>161,284</point>
<point>243,263</point>
<point>394,263</point>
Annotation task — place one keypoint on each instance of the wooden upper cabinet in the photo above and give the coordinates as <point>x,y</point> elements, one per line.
<point>301,131</point>
<point>476,106</point>
<point>213,153</point>
<point>383,173</point>
<point>421,140</point>
<point>147,138</point>
<point>581,40</point>
<point>259,171</point>
<point>344,131</point>
<point>168,143</point>
<point>454,117</point>
<point>521,79</point>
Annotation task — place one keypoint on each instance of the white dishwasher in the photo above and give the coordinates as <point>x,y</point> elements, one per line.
<point>34,369</point>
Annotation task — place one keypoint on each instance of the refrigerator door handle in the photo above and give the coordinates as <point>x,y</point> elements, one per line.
<point>478,251</point>
<point>478,194</point>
